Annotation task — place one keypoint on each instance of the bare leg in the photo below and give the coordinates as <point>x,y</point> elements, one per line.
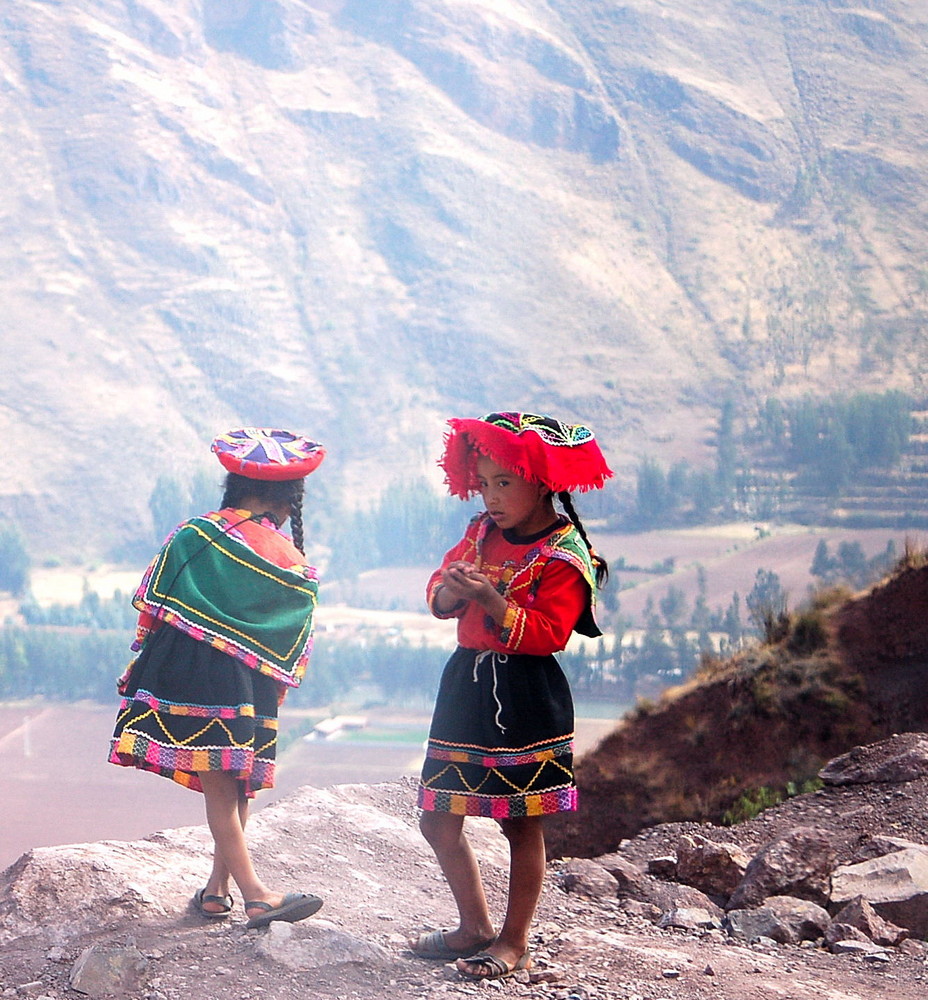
<point>526,875</point>
<point>226,814</point>
<point>445,834</point>
<point>218,882</point>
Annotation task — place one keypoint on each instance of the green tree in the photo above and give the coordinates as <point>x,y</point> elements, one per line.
<point>824,565</point>
<point>766,602</point>
<point>673,606</point>
<point>169,504</point>
<point>731,621</point>
<point>14,561</point>
<point>852,564</point>
<point>726,454</point>
<point>652,497</point>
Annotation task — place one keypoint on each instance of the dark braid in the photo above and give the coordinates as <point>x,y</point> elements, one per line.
<point>296,519</point>
<point>600,566</point>
<point>288,491</point>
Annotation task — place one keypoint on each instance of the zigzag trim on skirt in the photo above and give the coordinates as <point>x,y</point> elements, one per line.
<point>196,711</point>
<point>464,753</point>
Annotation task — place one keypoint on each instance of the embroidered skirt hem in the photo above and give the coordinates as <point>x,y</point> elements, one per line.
<point>189,707</point>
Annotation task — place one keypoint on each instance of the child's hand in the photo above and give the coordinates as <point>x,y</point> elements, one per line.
<point>465,582</point>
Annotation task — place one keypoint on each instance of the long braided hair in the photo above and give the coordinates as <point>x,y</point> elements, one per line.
<point>600,566</point>
<point>289,491</point>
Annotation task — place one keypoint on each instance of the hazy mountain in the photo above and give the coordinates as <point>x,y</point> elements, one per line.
<point>357,218</point>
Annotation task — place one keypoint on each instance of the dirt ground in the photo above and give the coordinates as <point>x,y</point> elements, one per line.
<point>584,948</point>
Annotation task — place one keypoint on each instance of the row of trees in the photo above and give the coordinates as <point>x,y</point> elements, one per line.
<point>73,652</point>
<point>815,444</point>
<point>829,441</point>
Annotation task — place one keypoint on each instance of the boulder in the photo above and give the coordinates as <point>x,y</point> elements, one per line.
<point>859,913</point>
<point>900,758</point>
<point>714,868</point>
<point>588,878</point>
<point>896,885</point>
<point>797,864</point>
<point>782,918</point>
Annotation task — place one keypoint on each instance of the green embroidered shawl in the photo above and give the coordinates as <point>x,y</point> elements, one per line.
<point>220,590</point>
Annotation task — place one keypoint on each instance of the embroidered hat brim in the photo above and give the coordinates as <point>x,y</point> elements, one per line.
<point>539,448</point>
<point>263,453</point>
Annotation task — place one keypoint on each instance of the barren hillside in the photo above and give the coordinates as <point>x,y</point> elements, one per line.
<point>357,219</point>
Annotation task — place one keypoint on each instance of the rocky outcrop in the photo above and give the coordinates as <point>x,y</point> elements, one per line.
<point>808,882</point>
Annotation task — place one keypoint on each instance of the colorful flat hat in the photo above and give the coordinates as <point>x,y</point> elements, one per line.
<point>565,457</point>
<point>259,453</point>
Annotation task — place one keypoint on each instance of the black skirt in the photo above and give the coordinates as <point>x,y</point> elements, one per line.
<point>189,707</point>
<point>501,739</point>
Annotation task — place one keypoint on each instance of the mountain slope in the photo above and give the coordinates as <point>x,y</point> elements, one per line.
<point>356,219</point>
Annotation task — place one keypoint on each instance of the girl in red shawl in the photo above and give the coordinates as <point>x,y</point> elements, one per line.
<point>500,745</point>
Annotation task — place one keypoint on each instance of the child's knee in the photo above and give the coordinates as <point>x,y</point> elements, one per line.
<point>428,826</point>
<point>439,828</point>
<point>521,830</point>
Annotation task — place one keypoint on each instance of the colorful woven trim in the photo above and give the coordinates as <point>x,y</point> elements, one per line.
<point>177,741</point>
<point>202,571</point>
<point>499,807</point>
<point>181,764</point>
<point>160,706</point>
<point>538,778</point>
<point>538,448</point>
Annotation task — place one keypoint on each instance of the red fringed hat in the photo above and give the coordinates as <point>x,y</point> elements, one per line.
<point>259,453</point>
<point>565,457</point>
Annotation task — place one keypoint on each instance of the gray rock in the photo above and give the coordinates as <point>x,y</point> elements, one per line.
<point>665,867</point>
<point>714,868</point>
<point>807,921</point>
<point>314,944</point>
<point>588,878</point>
<point>857,948</point>
<point>860,914</point>
<point>689,918</point>
<point>781,918</point>
<point>880,844</point>
<point>896,885</point>
<point>758,923</point>
<point>57,893</point>
<point>108,970</point>
<point>629,878</point>
<point>839,932</point>
<point>798,864</point>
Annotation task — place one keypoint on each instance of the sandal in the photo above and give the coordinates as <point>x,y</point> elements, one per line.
<point>294,906</point>
<point>432,945</point>
<point>201,896</point>
<point>495,968</point>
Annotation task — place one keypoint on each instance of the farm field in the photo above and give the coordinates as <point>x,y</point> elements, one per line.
<point>730,554</point>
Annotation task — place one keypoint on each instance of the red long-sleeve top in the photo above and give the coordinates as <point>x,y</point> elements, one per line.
<point>546,593</point>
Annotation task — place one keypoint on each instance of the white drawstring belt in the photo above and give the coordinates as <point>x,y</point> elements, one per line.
<point>503,658</point>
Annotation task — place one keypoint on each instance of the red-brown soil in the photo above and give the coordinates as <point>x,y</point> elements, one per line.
<point>843,675</point>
